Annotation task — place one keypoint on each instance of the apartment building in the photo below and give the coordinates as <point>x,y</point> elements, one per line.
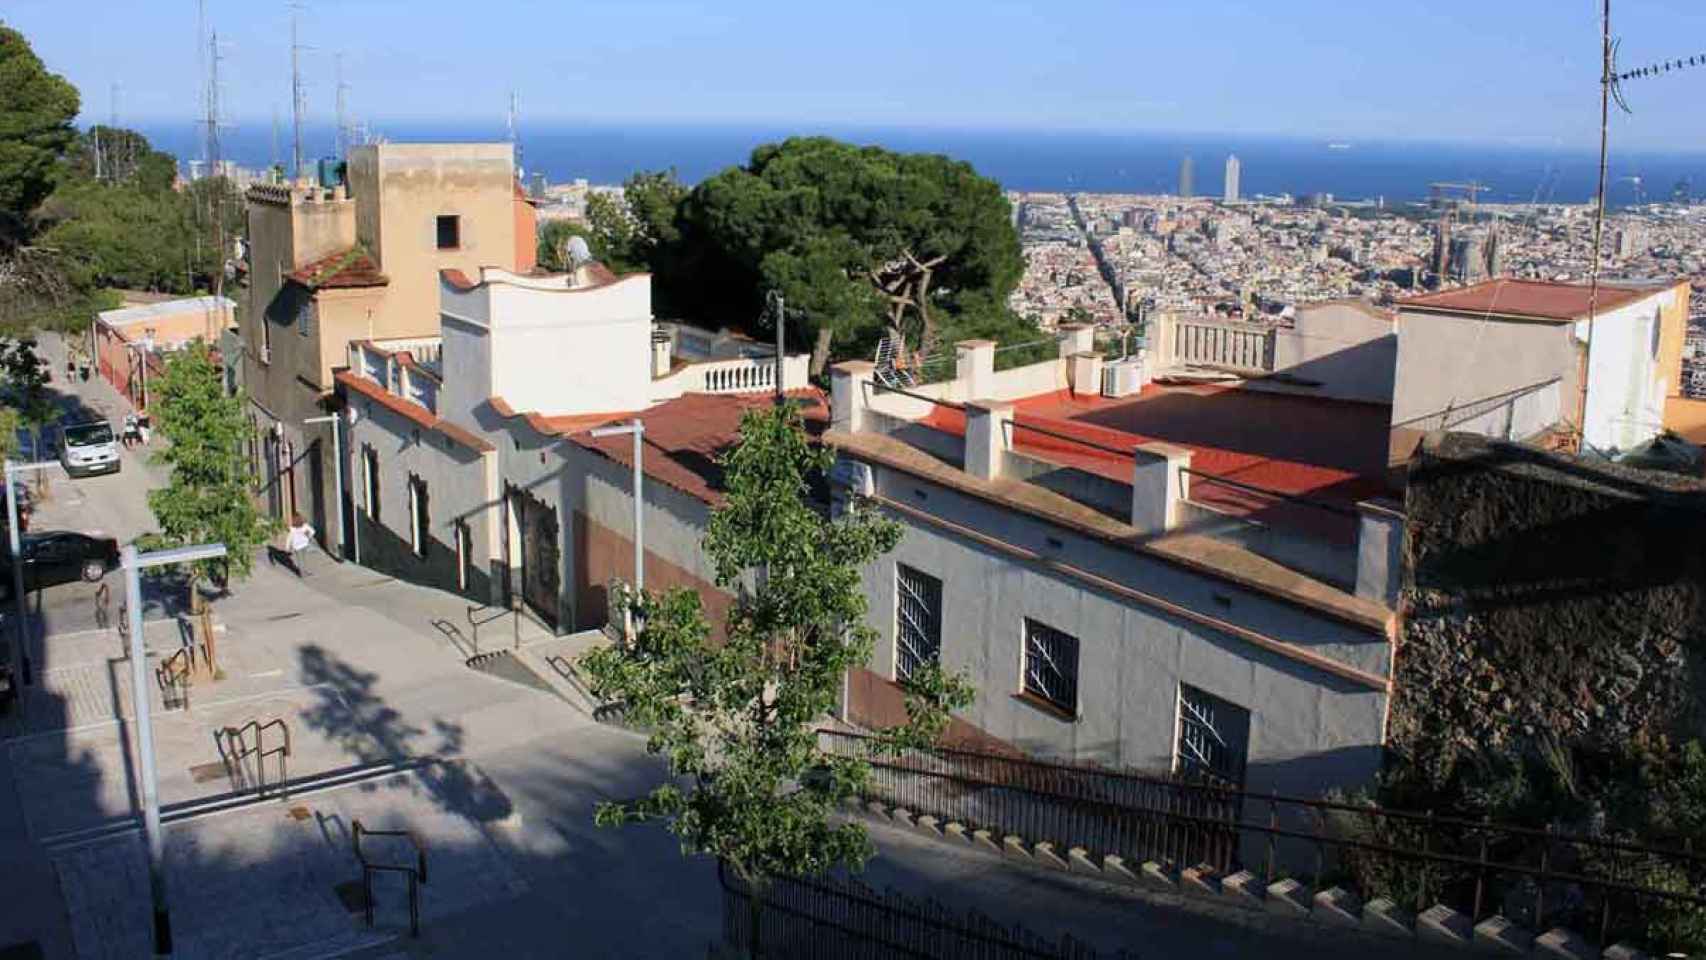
<point>360,260</point>
<point>1195,578</point>
<point>475,467</point>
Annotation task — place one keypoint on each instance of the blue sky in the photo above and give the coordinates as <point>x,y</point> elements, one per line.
<point>1507,71</point>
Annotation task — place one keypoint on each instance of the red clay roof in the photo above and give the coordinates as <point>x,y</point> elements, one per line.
<point>411,411</point>
<point>1527,298</point>
<point>685,436</point>
<point>345,269</point>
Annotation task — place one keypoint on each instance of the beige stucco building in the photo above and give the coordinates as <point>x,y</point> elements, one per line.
<point>360,260</point>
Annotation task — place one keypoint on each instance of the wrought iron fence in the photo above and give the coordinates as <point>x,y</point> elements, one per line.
<point>831,918</point>
<point>1604,887</point>
<point>1174,821</point>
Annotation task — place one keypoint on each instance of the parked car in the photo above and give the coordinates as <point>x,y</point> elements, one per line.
<point>88,448</point>
<point>58,556</point>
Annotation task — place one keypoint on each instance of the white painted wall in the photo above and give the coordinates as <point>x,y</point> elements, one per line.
<point>1626,388</point>
<point>1350,352</point>
<point>572,350</point>
<point>1453,361</point>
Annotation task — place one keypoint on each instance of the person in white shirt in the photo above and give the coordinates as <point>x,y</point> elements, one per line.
<point>298,539</point>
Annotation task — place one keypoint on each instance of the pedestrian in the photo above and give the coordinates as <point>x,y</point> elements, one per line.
<point>297,540</point>
<point>132,433</point>
<point>143,429</point>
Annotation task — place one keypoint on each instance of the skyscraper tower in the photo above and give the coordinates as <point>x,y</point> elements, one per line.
<point>1187,177</point>
<point>1232,169</point>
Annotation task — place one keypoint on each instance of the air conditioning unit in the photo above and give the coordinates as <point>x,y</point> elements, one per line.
<point>1122,378</point>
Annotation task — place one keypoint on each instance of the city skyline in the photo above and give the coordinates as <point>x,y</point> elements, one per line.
<point>1006,67</point>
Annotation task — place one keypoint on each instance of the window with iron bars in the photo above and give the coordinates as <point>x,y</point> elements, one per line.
<point>1213,737</point>
<point>1051,665</point>
<point>918,612</point>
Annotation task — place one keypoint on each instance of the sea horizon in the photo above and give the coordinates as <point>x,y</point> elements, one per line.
<point>1034,160</point>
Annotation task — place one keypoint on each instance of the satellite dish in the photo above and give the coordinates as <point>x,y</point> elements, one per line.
<point>579,253</point>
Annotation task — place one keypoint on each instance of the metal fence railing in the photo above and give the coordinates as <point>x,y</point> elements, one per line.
<point>842,919</point>
<point>1604,887</point>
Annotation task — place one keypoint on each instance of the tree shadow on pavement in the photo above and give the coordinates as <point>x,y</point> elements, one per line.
<point>350,714</point>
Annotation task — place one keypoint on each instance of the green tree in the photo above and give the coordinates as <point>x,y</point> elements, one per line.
<point>860,239</point>
<point>26,378</point>
<point>207,498</point>
<point>36,110</point>
<point>736,718</point>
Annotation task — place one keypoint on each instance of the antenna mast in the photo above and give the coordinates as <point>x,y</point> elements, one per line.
<point>343,107</point>
<point>201,65</point>
<point>298,96</point>
<point>274,137</point>
<point>514,139</point>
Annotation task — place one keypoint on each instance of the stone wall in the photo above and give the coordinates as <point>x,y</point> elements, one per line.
<point>1546,595</point>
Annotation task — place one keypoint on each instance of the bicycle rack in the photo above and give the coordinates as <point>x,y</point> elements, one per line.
<point>237,738</point>
<point>173,675</point>
<point>417,873</point>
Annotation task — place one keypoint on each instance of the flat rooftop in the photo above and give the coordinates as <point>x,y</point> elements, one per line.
<point>1271,449</point>
<point>1538,299</point>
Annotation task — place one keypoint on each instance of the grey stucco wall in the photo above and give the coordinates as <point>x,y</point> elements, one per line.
<point>455,478</point>
<point>1309,729</point>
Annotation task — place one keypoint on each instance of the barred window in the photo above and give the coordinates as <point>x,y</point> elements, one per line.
<point>418,522</point>
<point>370,480</point>
<point>1051,665</point>
<point>1213,737</point>
<point>918,609</point>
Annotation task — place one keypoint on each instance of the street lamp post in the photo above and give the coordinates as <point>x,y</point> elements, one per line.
<point>338,472</point>
<point>134,564</point>
<point>638,429</point>
<point>20,648</point>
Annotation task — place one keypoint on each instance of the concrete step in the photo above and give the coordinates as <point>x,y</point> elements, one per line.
<point>1385,917</point>
<point>1337,906</point>
<point>1561,944</point>
<point>1442,925</point>
<point>1499,935</point>
<point>555,659</point>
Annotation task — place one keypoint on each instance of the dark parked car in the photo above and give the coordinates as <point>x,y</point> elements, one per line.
<point>58,556</point>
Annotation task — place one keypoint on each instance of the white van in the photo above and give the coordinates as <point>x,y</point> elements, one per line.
<point>88,448</point>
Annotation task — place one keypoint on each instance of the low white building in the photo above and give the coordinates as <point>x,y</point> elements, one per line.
<point>471,458</point>
<point>1147,581</point>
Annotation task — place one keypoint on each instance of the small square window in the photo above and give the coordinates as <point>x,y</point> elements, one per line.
<point>1051,665</point>
<point>1213,738</point>
<point>449,233</point>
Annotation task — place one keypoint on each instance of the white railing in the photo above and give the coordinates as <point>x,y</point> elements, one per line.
<point>427,351</point>
<point>755,375</point>
<point>1240,346</point>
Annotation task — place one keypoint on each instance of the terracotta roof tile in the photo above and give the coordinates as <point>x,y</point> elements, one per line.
<point>348,268</point>
<point>1527,298</point>
<point>685,436</point>
<point>413,412</point>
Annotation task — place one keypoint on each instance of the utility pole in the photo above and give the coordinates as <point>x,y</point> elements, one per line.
<point>298,96</point>
<point>1606,78</point>
<point>216,182</point>
<point>343,106</point>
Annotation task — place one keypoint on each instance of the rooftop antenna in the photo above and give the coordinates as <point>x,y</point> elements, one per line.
<point>343,107</point>
<point>298,93</point>
<point>275,136</point>
<point>201,69</point>
<point>514,138</point>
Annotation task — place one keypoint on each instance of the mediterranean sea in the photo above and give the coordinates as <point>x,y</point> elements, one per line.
<point>606,153</point>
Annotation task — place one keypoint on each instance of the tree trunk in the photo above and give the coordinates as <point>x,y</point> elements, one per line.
<point>927,335</point>
<point>820,350</point>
